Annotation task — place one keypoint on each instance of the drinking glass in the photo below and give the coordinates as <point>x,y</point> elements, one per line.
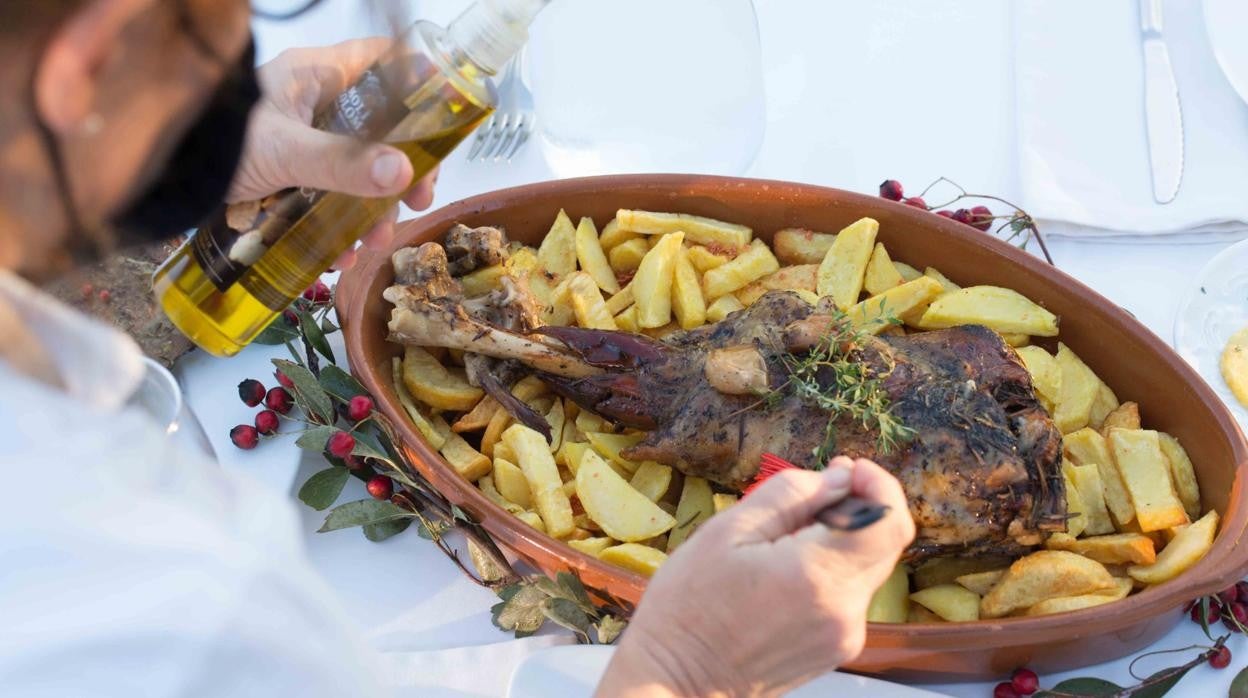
<point>647,86</point>
<point>159,396</point>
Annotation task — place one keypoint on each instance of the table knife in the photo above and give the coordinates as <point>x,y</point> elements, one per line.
<point>1162,113</point>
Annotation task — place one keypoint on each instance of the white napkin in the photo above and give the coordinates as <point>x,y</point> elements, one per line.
<point>480,671</point>
<point>1083,151</point>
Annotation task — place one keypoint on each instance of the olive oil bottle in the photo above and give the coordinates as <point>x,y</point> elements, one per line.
<point>241,269</point>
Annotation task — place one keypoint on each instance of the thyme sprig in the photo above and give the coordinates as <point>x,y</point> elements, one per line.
<point>830,378</point>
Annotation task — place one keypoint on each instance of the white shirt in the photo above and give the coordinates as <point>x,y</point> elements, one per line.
<point>130,569</point>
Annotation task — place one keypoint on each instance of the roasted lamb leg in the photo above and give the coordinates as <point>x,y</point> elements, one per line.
<point>982,471</point>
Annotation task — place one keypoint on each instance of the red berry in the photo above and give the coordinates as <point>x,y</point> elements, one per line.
<point>380,487</point>
<point>962,216</point>
<point>267,422</point>
<point>981,218</point>
<point>278,400</point>
<point>318,292</point>
<point>915,201</point>
<point>945,213</point>
<point>283,379</point>
<point>891,189</point>
<point>1215,613</point>
<point>340,444</point>
<point>1238,611</point>
<point>87,290</point>
<point>245,436</point>
<point>1221,659</point>
<point>1241,589</point>
<point>106,296</point>
<point>1025,681</point>
<point>1005,689</point>
<point>354,462</point>
<point>1229,595</point>
<point>290,318</point>
<point>359,408</point>
<point>251,392</point>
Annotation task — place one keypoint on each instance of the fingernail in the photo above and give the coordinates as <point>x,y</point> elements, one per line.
<point>840,463</point>
<point>837,476</point>
<point>386,170</point>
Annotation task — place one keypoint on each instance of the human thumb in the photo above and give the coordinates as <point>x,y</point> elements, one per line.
<point>332,162</point>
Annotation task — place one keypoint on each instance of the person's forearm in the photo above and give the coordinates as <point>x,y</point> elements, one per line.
<point>644,668</point>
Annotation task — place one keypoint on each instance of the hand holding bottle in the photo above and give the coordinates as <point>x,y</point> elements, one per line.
<point>283,150</point>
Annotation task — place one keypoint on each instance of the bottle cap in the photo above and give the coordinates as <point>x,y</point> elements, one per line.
<point>492,31</point>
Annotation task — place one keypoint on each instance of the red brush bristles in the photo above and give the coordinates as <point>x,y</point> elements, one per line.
<point>768,465</point>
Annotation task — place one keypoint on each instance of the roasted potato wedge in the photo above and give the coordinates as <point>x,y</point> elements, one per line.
<point>784,279</point>
<point>587,303</point>
<point>881,275</point>
<point>418,417</point>
<point>652,480</point>
<point>652,285</point>
<point>627,256</point>
<point>1000,309</point>
<point>1112,549</point>
<point>688,304</point>
<point>981,582</point>
<point>592,258</point>
<point>720,501</point>
<point>1085,447</point>
<point>721,307</point>
<point>885,310</point>
<point>623,513</point>
<point>1183,474</point>
<point>1065,604</point>
<point>751,265</point>
<point>486,484</point>
<point>613,235</point>
<point>592,546</point>
<point>470,463</point>
<point>1042,575</point>
<point>1046,375</point>
<point>891,602</point>
<point>908,273</point>
<point>1087,479</point>
<point>1074,504</point>
<point>543,475</point>
<point>704,231</point>
<point>705,260</point>
<point>429,381</point>
<point>1078,391</point>
<point>511,483</point>
<point>641,559</point>
<point>1146,473</point>
<point>945,570</point>
<point>842,269</point>
<point>557,253</point>
<point>1125,416</point>
<point>1234,365</point>
<point>801,246</point>
<point>695,507</point>
<point>482,281</point>
<point>1187,548</point>
<point>951,602</point>
<point>1106,401</point>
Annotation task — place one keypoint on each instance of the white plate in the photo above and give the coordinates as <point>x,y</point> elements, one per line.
<point>1215,308</point>
<point>573,671</point>
<point>1226,22</point>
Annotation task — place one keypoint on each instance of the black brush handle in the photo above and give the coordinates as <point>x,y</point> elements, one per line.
<point>851,514</point>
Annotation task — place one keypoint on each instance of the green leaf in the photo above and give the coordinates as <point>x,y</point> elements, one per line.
<point>361,513</point>
<point>380,531</point>
<point>322,489</point>
<point>315,438</point>
<point>308,391</point>
<point>570,588</point>
<point>461,515</point>
<point>315,336</point>
<point>488,569</point>
<point>340,384</point>
<point>327,326</point>
<point>609,628</point>
<point>520,610</point>
<point>566,613</point>
<point>1083,686</point>
<point>1204,616</point>
<point>1239,686</point>
<point>366,447</point>
<point>431,530</point>
<point>1160,683</point>
<point>278,332</point>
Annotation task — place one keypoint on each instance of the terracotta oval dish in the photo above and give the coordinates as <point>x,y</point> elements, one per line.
<point>1130,358</point>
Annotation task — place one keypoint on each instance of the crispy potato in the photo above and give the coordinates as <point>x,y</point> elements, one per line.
<point>952,602</point>
<point>881,275</point>
<point>1016,339</point>
<point>720,502</point>
<point>1125,416</point>
<point>755,263</point>
<point>801,246</point>
<point>652,285</point>
<point>1079,388</point>
<point>1234,365</point>
<point>919,614</point>
<point>705,260</point>
<point>533,519</point>
<point>944,570</point>
<point>619,302</point>
<point>997,308</point>
<point>556,419</point>
<point>1046,376</point>
<point>705,231</point>
<point>687,302</point>
<point>1113,549</point>
<point>479,417</point>
<point>613,235</point>
<point>592,259</point>
<point>1086,446</point>
<point>558,310</point>
<point>1187,548</point>
<point>1087,480</point>
<point>623,513</point>
<point>1146,473</point>
<point>466,460</point>
<point>592,546</point>
<point>543,475</point>
<point>981,582</point>
<point>694,508</point>
<point>525,390</point>
<point>1074,504</point>
<point>502,450</point>
<point>627,320</point>
<point>908,273</point>
<point>557,253</point>
<point>1045,574</point>
<point>609,446</point>
<point>587,421</point>
<point>486,485</point>
<point>1064,604</point>
<point>843,267</point>
<point>934,273</point>
<point>1183,473</point>
<point>1106,401</point>
<point>570,453</point>
<point>511,483</point>
<point>482,281</point>
<point>885,310</point>
<point>627,256</point>
<point>587,303</point>
<point>652,480</point>
<point>785,278</point>
<point>435,385</point>
<point>422,422</point>
<point>891,602</point>
<point>641,559</point>
<point>722,307</point>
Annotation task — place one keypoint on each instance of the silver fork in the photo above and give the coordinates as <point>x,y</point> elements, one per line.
<point>510,126</point>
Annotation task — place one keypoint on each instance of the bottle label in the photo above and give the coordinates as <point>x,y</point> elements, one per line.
<point>241,233</point>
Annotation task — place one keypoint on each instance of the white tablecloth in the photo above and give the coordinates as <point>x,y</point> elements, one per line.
<point>857,93</point>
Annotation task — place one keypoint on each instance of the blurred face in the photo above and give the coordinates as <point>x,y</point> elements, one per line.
<point>117,88</point>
